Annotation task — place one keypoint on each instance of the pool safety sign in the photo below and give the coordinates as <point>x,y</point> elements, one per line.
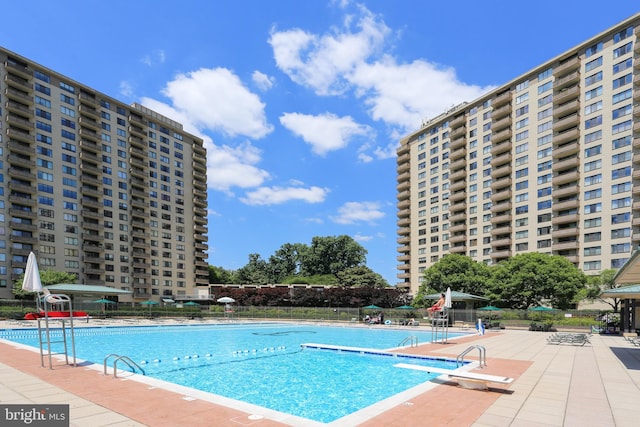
<point>34,415</point>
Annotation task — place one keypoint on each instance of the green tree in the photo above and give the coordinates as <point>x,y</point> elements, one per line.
<point>361,277</point>
<point>285,262</point>
<point>332,254</point>
<point>47,277</point>
<point>596,284</point>
<point>255,272</point>
<point>530,279</point>
<point>220,275</point>
<point>458,272</point>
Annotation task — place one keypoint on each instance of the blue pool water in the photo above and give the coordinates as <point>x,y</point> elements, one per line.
<point>263,364</point>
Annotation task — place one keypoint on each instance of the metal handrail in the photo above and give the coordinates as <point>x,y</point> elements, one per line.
<point>130,363</point>
<point>482,359</point>
<point>411,338</point>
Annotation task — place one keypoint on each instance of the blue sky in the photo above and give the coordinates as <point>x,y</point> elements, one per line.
<point>301,103</point>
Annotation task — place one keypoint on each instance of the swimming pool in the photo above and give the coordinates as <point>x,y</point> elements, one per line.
<point>264,364</point>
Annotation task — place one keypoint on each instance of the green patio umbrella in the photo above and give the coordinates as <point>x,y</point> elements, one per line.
<point>405,307</point>
<point>104,301</point>
<point>541,308</point>
<point>149,303</point>
<point>490,308</point>
<point>372,307</point>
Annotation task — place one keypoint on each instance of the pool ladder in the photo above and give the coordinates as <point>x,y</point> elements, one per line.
<point>412,339</point>
<point>483,355</point>
<point>127,360</point>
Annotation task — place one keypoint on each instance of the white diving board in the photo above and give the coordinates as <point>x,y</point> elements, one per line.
<point>465,379</point>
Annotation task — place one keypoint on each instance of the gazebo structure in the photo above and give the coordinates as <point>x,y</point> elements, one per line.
<point>629,295</point>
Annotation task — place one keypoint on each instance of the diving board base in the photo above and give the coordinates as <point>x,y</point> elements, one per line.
<point>469,380</point>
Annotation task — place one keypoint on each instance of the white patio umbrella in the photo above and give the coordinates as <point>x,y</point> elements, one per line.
<point>31,281</point>
<point>447,298</point>
<point>226,300</point>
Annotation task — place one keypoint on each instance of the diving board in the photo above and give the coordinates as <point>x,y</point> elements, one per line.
<point>466,379</point>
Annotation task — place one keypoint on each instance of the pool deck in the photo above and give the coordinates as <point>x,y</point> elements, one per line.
<point>597,384</point>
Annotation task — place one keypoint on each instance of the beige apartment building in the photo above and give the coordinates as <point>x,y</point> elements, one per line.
<point>548,162</point>
<point>115,193</point>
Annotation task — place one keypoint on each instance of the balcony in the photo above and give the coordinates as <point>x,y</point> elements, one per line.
<point>501,183</point>
<point>461,141</point>
<point>567,66</point>
<point>458,228</point>
<point>564,219</point>
<point>566,232</point>
<point>458,185</point>
<point>458,132</point>
<point>458,238</point>
<point>403,167</point>
<point>501,230</point>
<point>565,177</point>
<point>567,191</point>
<point>458,121</point>
<point>565,95</point>
<point>498,113</point>
<point>458,249</point>
<point>22,70</point>
<point>561,151</point>
<point>501,254</point>
<point>503,135</point>
<point>567,204</point>
<point>460,163</point>
<point>460,153</point>
<point>568,80</point>
<point>565,246</point>
<point>501,241</point>
<point>501,99</point>
<point>569,135</point>
<point>501,195</point>
<point>501,124</point>
<point>566,122</point>
<point>571,162</point>
<point>505,206</point>
<point>497,149</point>
<point>91,146</point>
<point>20,135</point>
<point>500,160</point>
<point>18,96</point>
<point>457,196</point>
<point>567,108</point>
<point>458,175</point>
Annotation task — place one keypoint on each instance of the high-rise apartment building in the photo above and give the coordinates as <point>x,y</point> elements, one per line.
<point>115,193</point>
<point>548,162</point>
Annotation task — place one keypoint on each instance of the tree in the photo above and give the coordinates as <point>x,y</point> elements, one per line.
<point>530,279</point>
<point>220,275</point>
<point>255,272</point>
<point>47,277</point>
<point>361,277</point>
<point>596,284</point>
<point>286,261</point>
<point>330,255</point>
<point>458,272</point>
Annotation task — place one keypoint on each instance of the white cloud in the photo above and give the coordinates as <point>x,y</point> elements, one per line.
<point>262,81</point>
<point>360,238</point>
<point>320,62</point>
<point>353,212</point>
<point>350,58</point>
<point>279,195</point>
<point>325,132</point>
<point>156,57</point>
<point>226,166</point>
<point>216,99</point>
<point>384,88</point>
<point>126,89</point>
